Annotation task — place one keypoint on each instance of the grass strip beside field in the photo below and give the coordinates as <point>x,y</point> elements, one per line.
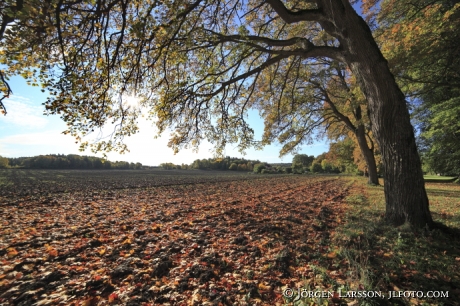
<point>388,258</point>
<point>436,178</point>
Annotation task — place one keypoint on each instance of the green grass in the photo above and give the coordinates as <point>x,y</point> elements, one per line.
<point>384,257</point>
<point>435,178</point>
<point>445,203</point>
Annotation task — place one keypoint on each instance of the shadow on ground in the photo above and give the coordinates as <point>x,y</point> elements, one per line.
<point>388,258</point>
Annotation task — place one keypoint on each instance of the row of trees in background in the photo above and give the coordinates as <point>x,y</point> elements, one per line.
<point>227,163</point>
<point>342,157</point>
<point>3,162</point>
<point>61,161</point>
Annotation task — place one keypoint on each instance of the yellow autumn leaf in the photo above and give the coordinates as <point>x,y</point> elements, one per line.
<point>12,252</point>
<point>264,287</point>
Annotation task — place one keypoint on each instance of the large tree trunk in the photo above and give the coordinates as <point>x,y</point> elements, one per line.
<point>369,157</point>
<point>405,194</point>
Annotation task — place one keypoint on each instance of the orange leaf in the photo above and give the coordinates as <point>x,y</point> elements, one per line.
<point>12,252</point>
<point>264,287</point>
<point>113,297</point>
<point>52,251</point>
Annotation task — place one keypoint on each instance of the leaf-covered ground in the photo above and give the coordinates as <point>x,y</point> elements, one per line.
<point>210,243</point>
<point>210,238</point>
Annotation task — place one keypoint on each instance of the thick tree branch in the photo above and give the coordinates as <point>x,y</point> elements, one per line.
<point>267,41</point>
<point>292,17</point>
<point>307,49</point>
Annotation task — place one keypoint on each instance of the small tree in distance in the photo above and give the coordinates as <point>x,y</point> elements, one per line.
<point>303,160</point>
<point>316,167</point>
<point>259,167</point>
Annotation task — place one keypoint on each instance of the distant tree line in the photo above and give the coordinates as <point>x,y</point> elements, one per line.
<point>61,161</point>
<point>339,159</point>
<point>226,163</point>
<point>4,162</point>
<point>301,163</point>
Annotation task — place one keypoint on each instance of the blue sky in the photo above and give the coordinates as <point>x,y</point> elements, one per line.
<point>25,131</point>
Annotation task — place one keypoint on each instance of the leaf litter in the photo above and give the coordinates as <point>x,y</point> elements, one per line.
<point>213,243</point>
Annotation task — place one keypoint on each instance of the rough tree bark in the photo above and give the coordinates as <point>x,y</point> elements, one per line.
<point>368,154</point>
<point>405,194</point>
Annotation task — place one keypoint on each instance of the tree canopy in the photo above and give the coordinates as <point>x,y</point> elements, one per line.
<point>421,42</point>
<point>92,55</point>
<point>441,137</point>
<point>198,66</point>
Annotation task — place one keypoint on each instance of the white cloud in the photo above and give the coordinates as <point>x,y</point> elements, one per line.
<point>22,113</point>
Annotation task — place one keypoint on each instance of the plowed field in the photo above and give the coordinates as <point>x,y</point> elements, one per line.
<point>237,242</point>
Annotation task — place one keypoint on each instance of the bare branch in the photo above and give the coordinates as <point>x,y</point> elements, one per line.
<point>339,115</point>
<point>249,73</point>
<point>307,50</point>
